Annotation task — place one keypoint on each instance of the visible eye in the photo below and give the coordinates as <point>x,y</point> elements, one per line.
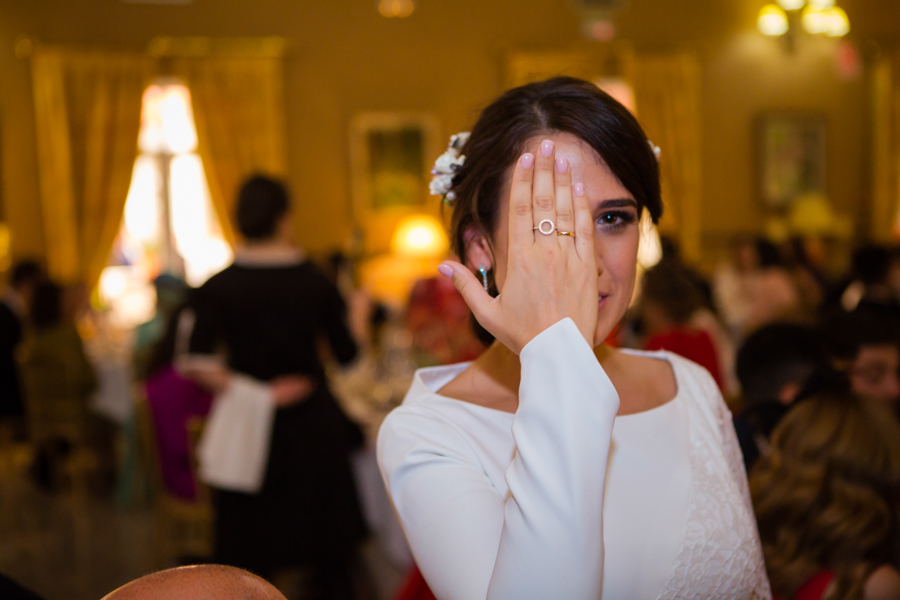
<point>615,220</point>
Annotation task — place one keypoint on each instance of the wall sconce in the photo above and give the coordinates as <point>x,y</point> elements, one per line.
<point>396,8</point>
<point>815,17</point>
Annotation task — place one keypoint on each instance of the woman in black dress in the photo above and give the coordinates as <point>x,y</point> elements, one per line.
<point>269,313</point>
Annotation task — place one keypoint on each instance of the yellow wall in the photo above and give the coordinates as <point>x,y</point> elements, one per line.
<point>448,59</point>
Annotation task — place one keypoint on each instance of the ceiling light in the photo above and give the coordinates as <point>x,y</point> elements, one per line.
<point>821,4</point>
<point>772,20</point>
<point>815,21</point>
<point>838,23</point>
<point>791,4</point>
<point>396,8</point>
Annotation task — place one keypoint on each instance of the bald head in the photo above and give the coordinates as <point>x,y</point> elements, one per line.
<point>201,582</point>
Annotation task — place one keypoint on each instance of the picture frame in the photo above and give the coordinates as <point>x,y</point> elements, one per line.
<point>792,157</point>
<point>391,154</point>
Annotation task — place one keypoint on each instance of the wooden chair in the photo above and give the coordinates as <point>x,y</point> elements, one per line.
<point>184,528</point>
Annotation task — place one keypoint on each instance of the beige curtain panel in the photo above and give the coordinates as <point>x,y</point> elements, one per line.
<point>239,110</point>
<point>667,95</point>
<point>87,113</point>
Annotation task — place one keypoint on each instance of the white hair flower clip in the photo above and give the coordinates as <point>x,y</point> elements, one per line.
<point>446,166</point>
<point>656,150</point>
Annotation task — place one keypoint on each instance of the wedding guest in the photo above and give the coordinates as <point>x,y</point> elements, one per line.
<point>58,376</point>
<point>269,311</point>
<point>669,301</point>
<point>14,305</point>
<point>173,400</point>
<point>826,498</point>
<point>865,345</point>
<point>502,470</point>
<point>774,365</point>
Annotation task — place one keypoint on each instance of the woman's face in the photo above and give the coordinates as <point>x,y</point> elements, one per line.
<point>616,232</point>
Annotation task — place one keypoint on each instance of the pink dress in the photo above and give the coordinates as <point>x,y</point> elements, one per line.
<point>173,400</point>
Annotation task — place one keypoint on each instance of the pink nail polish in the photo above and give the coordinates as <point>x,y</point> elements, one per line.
<point>546,147</point>
<point>445,270</point>
<point>528,160</point>
<point>578,188</point>
<point>562,165</point>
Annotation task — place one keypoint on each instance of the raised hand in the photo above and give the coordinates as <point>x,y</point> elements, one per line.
<point>549,277</point>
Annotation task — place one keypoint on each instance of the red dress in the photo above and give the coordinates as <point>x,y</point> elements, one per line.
<point>693,344</point>
<point>814,588</point>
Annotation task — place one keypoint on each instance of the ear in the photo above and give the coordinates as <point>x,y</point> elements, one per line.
<point>478,250</point>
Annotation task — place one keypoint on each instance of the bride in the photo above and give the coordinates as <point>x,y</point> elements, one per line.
<point>555,466</point>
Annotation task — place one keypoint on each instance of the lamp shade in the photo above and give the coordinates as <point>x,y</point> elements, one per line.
<point>420,236</point>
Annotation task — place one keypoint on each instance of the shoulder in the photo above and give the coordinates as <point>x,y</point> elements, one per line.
<point>417,435</point>
<point>883,584</point>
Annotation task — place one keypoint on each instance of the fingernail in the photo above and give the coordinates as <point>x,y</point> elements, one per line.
<point>578,188</point>
<point>528,160</point>
<point>546,147</point>
<point>562,165</point>
<point>445,270</point>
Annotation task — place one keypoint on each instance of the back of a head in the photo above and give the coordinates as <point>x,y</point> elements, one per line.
<point>871,264</point>
<point>826,495</point>
<point>777,355</point>
<point>768,254</point>
<point>46,305</point>
<point>845,333</point>
<point>667,285</point>
<point>262,202</point>
<point>201,582</point>
<point>26,272</point>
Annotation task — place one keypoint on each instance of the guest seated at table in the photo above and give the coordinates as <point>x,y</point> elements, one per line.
<point>171,292</point>
<point>15,302</point>
<point>826,500</point>
<point>173,400</point>
<point>774,365</point>
<point>59,380</point>
<point>201,582</point>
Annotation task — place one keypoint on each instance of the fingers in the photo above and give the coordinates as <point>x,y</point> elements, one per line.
<point>521,219</point>
<point>584,224</point>
<point>543,194</point>
<point>472,291</point>
<point>565,208</point>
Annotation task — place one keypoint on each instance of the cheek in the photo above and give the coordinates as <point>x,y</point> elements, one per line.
<point>617,255</point>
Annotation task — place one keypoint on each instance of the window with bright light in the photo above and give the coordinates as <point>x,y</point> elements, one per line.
<point>169,225</point>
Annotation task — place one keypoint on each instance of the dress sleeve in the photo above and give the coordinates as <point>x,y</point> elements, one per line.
<point>334,322</point>
<point>545,538</point>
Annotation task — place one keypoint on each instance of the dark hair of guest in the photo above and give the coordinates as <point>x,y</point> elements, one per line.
<point>26,272</point>
<point>46,305</point>
<point>669,287</point>
<point>558,105</point>
<point>261,203</point>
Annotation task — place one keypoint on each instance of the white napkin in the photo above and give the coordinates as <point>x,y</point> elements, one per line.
<point>234,449</point>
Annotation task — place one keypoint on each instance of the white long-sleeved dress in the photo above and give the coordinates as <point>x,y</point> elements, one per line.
<point>564,500</point>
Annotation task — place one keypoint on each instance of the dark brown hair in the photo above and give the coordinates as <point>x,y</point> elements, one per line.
<point>827,495</point>
<point>558,105</point>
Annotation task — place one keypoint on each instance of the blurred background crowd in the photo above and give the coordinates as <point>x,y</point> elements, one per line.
<point>247,183</point>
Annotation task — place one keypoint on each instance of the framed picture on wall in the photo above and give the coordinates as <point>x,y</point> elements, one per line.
<point>391,155</point>
<point>791,157</point>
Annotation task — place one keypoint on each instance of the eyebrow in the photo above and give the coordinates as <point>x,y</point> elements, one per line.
<point>618,203</point>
